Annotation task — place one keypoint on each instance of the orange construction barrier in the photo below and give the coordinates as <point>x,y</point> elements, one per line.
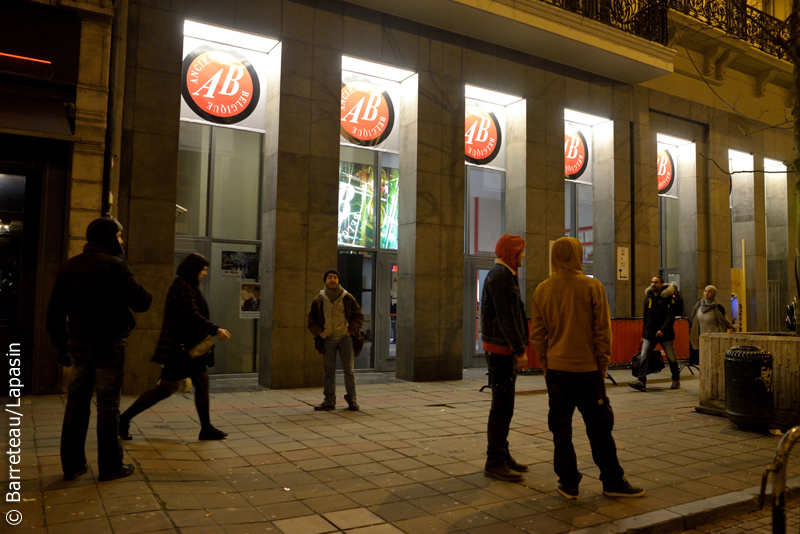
<point>626,337</point>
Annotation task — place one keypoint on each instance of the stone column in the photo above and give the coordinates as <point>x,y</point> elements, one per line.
<point>605,256</point>
<point>687,225</point>
<point>645,199</point>
<point>719,219</point>
<point>621,305</point>
<point>431,225</point>
<point>299,218</point>
<point>149,163</point>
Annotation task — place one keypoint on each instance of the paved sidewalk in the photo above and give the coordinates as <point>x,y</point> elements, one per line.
<point>410,462</point>
<point>759,522</point>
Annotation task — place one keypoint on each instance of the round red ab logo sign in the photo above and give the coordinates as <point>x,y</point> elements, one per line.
<point>666,172</point>
<point>482,135</point>
<point>367,114</point>
<point>220,85</point>
<point>576,157</point>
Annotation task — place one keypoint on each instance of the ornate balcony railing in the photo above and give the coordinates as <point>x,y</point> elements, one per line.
<point>739,20</point>
<point>648,18</point>
<point>644,18</point>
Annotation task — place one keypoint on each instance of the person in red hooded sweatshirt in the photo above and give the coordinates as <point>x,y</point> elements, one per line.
<point>504,328</point>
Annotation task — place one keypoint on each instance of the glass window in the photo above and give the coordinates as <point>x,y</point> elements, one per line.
<point>192,194</point>
<point>569,208</point>
<point>670,246</point>
<point>579,220</point>
<point>390,176</point>
<point>356,275</point>
<point>356,192</point>
<point>228,291</point>
<point>485,209</point>
<point>237,172</point>
<point>586,225</point>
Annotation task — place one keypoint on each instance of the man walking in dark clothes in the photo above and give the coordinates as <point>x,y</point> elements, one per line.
<point>658,329</point>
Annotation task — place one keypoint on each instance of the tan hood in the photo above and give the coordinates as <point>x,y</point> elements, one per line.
<point>567,255</point>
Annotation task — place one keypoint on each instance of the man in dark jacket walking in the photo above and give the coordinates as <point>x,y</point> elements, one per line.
<point>659,316</point>
<point>504,328</point>
<point>88,319</point>
<point>335,321</point>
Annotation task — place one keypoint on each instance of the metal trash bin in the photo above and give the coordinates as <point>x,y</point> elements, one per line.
<point>748,386</point>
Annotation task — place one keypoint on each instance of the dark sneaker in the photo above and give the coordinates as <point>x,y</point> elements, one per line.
<point>676,384</point>
<point>568,492</point>
<point>502,472</point>
<point>211,433</point>
<point>324,407</point>
<point>516,466</point>
<point>125,429</point>
<point>353,406</point>
<point>125,471</point>
<point>623,489</point>
<point>76,474</point>
<point>638,385</point>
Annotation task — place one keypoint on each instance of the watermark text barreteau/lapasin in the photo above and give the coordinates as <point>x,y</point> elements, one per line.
<point>14,412</point>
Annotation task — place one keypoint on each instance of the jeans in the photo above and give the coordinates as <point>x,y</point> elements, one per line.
<point>344,345</point>
<point>647,350</point>
<point>503,380</point>
<point>101,370</point>
<point>587,392</point>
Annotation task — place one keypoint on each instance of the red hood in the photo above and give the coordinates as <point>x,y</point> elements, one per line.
<point>508,249</point>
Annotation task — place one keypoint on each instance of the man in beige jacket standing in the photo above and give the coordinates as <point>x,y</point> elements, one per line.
<point>571,333</point>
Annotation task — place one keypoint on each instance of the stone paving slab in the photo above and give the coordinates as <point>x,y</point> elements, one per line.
<point>411,461</point>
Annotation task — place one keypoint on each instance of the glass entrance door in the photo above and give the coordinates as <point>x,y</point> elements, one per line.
<point>386,305</point>
<point>476,270</point>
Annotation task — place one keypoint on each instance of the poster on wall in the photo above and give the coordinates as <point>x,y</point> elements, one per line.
<point>250,301</point>
<point>223,85</point>
<point>666,171</point>
<point>483,134</point>
<point>368,111</point>
<point>238,265</point>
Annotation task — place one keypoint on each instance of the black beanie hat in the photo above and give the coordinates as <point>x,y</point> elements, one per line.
<point>103,231</point>
<point>329,271</point>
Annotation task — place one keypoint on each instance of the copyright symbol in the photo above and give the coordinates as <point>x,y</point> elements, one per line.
<point>13,517</point>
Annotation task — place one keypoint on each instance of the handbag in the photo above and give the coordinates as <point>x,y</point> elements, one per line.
<point>202,348</point>
<point>655,363</point>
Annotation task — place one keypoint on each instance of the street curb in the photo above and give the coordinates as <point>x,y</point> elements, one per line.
<point>694,514</point>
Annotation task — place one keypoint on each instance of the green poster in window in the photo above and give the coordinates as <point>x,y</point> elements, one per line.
<point>356,215</point>
<point>389,202</point>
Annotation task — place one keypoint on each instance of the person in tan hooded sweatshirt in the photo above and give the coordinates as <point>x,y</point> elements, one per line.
<point>571,333</point>
<point>504,335</point>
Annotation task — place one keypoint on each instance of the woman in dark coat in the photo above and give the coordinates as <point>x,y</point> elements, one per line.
<point>185,325</point>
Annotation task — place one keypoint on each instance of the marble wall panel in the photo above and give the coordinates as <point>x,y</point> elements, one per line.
<point>160,36</point>
<point>328,29</point>
<point>142,244</point>
<point>295,133</point>
<point>291,239</point>
<point>297,67</point>
<point>152,179</point>
<point>326,75</point>
<point>401,48</point>
<point>452,199</point>
<point>362,38</point>
<point>155,110</point>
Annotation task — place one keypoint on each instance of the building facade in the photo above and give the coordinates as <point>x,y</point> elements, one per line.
<point>397,140</point>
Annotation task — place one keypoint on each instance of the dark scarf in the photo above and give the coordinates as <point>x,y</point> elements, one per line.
<point>334,294</point>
